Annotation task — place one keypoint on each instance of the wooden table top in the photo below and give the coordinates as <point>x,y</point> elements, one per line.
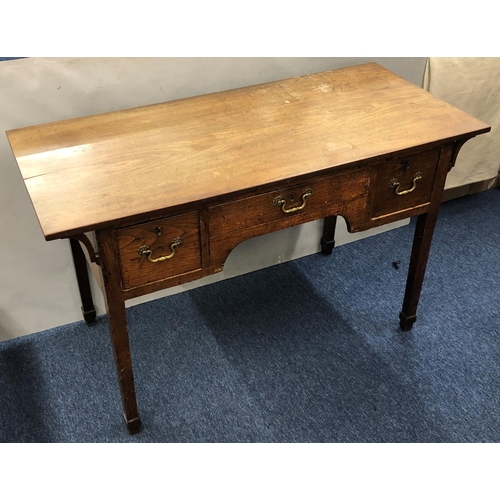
<point>86,173</point>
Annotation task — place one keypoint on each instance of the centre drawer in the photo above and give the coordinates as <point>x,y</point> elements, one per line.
<point>301,202</point>
<point>158,250</point>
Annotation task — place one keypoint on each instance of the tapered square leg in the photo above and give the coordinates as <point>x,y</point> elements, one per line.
<point>328,238</point>
<point>117,319</point>
<point>82,276</point>
<point>422,240</point>
<point>416,271</point>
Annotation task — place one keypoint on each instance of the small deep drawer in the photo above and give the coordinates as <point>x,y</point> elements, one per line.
<point>158,250</point>
<point>403,183</point>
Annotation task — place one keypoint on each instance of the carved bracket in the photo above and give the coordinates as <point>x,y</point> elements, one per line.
<point>93,255</point>
<point>457,146</point>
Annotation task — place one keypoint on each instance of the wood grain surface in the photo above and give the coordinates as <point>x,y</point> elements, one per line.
<point>90,172</point>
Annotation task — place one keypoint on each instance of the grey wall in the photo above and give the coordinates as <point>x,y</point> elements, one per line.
<point>37,285</point>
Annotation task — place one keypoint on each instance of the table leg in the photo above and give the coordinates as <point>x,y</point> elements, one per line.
<point>117,319</point>
<point>418,262</point>
<point>328,238</point>
<point>423,238</point>
<point>82,276</point>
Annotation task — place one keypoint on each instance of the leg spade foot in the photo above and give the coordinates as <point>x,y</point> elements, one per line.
<point>89,316</point>
<point>133,425</point>
<point>406,322</point>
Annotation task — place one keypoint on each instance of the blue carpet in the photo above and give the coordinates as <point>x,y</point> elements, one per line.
<point>307,351</point>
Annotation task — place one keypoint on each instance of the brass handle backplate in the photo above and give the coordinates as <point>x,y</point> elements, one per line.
<point>395,185</point>
<point>146,251</point>
<point>280,201</point>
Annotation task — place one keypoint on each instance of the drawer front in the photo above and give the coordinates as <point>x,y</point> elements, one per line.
<point>300,203</point>
<point>174,242</point>
<point>403,183</point>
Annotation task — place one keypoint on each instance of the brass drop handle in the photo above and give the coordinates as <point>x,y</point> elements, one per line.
<point>395,185</point>
<point>280,201</point>
<point>145,251</point>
